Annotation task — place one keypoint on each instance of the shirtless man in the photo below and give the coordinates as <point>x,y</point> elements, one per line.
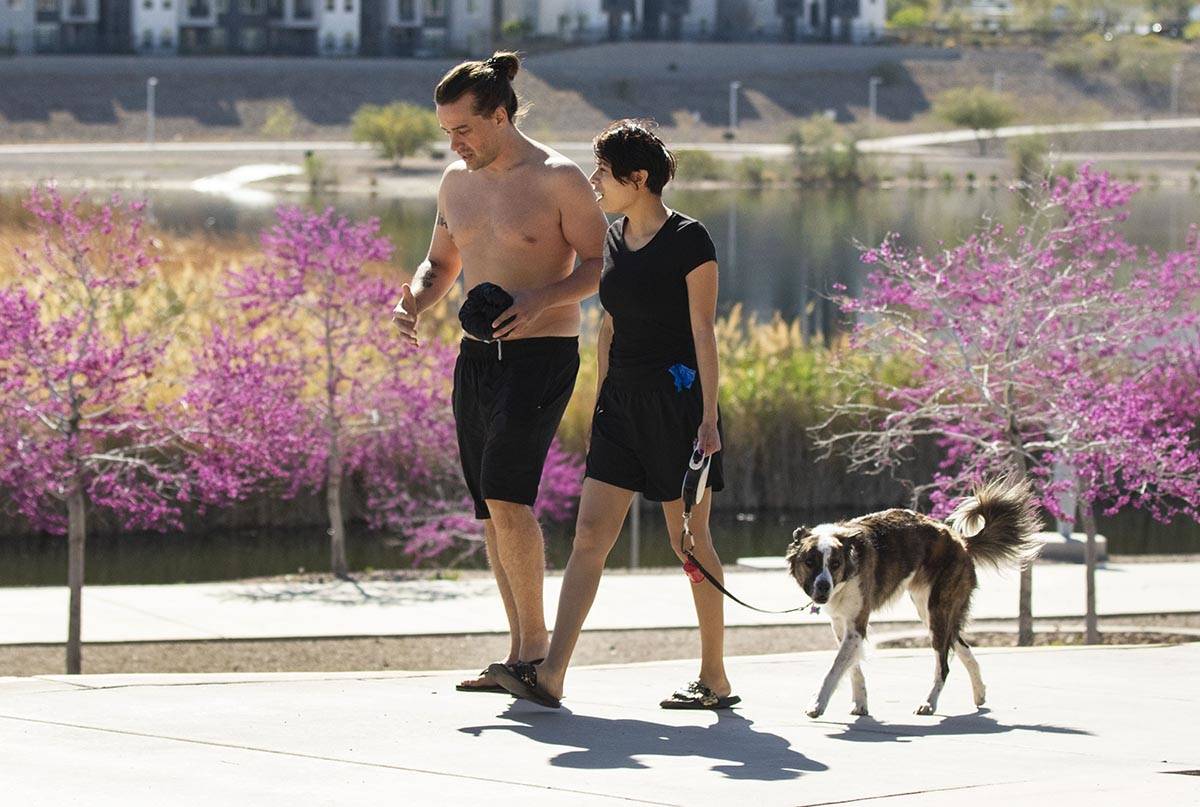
<point>515,213</point>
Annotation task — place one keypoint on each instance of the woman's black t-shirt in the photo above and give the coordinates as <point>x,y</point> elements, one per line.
<point>645,292</point>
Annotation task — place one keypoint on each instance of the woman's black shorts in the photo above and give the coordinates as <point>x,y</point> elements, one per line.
<point>508,400</point>
<point>643,431</point>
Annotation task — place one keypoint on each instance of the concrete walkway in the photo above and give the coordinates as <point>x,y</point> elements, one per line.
<point>276,610</point>
<point>1105,726</point>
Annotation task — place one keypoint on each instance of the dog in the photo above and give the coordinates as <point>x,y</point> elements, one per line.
<point>858,566</point>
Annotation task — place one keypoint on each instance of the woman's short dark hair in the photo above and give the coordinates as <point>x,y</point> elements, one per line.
<point>490,81</point>
<point>631,145</point>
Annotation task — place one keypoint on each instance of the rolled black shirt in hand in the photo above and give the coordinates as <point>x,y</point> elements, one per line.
<point>651,403</point>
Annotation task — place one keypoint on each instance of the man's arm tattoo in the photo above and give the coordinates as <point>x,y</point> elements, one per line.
<point>425,276</point>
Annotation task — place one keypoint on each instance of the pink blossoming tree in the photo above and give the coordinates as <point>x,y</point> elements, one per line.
<point>82,425</point>
<point>375,411</point>
<point>1055,344</point>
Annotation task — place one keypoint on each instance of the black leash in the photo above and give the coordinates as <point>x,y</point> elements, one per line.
<point>725,591</point>
<point>694,482</point>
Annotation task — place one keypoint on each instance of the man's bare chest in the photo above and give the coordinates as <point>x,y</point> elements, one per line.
<point>512,216</point>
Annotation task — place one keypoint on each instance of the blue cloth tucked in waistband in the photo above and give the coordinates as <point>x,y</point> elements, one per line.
<point>684,376</point>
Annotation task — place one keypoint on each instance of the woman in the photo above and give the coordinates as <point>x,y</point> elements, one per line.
<point>656,400</point>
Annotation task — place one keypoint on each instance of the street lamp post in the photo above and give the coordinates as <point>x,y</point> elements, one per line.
<point>734,86</point>
<point>1176,80</point>
<point>873,96</point>
<point>151,83</point>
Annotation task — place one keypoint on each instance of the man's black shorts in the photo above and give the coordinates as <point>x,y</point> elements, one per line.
<point>509,397</point>
<point>643,431</point>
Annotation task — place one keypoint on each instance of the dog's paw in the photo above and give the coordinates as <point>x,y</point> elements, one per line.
<point>924,709</point>
<point>980,697</point>
<point>860,709</point>
<point>815,709</point>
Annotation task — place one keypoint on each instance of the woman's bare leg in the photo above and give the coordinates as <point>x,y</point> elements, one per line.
<point>602,511</point>
<point>710,603</point>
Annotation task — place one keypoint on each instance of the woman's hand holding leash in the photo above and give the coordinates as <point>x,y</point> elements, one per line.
<point>708,439</point>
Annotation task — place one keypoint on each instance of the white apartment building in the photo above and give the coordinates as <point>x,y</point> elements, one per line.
<point>17,21</point>
<point>733,20</point>
<point>155,25</point>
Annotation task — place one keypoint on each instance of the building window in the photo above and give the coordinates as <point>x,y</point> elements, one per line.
<point>433,8</point>
<point>78,8</point>
<point>199,9</point>
<point>252,40</point>
<point>167,4</point>
<point>348,41</point>
<point>304,9</point>
<point>330,41</point>
<point>330,5</point>
<point>253,6</point>
<point>470,6</point>
<point>167,38</point>
<point>147,4</point>
<point>147,38</point>
<point>47,6</point>
<point>348,6</point>
<point>408,10</point>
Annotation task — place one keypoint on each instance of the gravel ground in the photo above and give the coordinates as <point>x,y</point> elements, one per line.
<point>469,651</point>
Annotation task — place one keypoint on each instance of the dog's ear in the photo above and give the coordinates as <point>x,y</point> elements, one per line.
<point>855,547</point>
<point>792,556</point>
<point>798,535</point>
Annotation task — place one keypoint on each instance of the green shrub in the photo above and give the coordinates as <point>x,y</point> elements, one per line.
<point>908,18</point>
<point>824,153</point>
<point>280,124</point>
<point>752,171</point>
<point>976,108</point>
<point>398,130</point>
<point>1029,156</point>
<point>696,165</point>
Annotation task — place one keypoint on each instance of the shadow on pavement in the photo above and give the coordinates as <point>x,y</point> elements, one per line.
<point>352,592</point>
<point>869,730</point>
<point>615,743</point>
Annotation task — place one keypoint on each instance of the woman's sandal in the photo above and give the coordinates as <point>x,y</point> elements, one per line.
<point>698,696</point>
<point>520,679</point>
<point>487,687</point>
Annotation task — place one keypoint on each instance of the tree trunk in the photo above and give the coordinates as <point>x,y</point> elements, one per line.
<point>76,535</point>
<point>337,523</point>
<point>1091,622</point>
<point>1025,608</point>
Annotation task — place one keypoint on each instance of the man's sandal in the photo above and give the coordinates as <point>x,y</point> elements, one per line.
<point>698,696</point>
<point>486,687</point>
<point>520,679</point>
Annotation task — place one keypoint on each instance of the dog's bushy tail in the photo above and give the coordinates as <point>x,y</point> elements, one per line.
<point>998,522</point>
